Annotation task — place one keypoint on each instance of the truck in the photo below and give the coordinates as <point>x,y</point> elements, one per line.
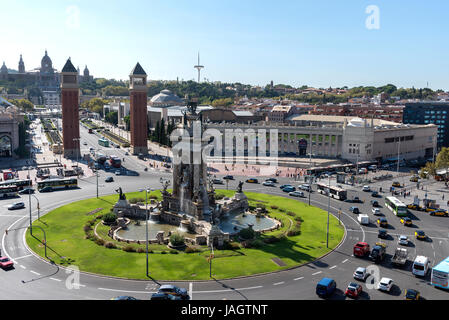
<point>378,252</point>
<point>400,257</point>
<point>363,219</point>
<point>361,249</point>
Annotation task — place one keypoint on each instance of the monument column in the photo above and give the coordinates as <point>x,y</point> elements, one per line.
<point>70,110</point>
<point>138,110</point>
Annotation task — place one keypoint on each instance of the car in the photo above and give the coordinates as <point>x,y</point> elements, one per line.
<point>415,207</point>
<point>228,177</point>
<point>376,211</point>
<point>6,263</point>
<point>383,234</point>
<point>126,153</point>
<point>361,249</point>
<point>109,179</point>
<point>439,212</point>
<point>124,298</point>
<point>273,180</point>
<point>412,294</point>
<point>85,143</point>
<point>268,183</point>
<point>354,210</point>
<point>117,172</point>
<point>297,194</point>
<point>326,287</point>
<point>46,189</point>
<point>289,189</point>
<point>385,284</point>
<point>420,235</point>
<point>403,240</point>
<point>252,180</point>
<point>406,221</point>
<point>375,203</point>
<point>26,191</point>
<point>16,205</point>
<point>217,181</point>
<point>353,290</point>
<point>91,149</point>
<point>284,186</point>
<point>414,179</point>
<point>375,194</point>
<point>382,222</point>
<point>174,290</point>
<point>357,200</point>
<point>366,189</point>
<point>360,274</point>
<point>305,187</point>
<point>396,184</point>
<point>164,296</point>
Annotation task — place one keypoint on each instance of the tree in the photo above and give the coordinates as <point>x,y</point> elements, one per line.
<point>112,117</point>
<point>442,160</point>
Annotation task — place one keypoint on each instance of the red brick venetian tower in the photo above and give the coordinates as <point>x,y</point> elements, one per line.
<point>70,110</point>
<point>138,110</point>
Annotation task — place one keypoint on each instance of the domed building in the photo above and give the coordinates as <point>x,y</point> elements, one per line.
<point>165,99</point>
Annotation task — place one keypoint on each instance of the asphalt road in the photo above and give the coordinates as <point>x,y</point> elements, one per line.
<point>33,278</point>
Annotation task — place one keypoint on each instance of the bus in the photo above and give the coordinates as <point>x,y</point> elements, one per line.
<point>440,274</point>
<point>398,208</point>
<point>21,184</point>
<point>115,161</point>
<point>335,192</point>
<point>58,183</point>
<point>9,191</point>
<point>103,142</point>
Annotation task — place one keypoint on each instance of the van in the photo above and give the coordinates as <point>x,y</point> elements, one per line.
<point>363,219</point>
<point>372,167</point>
<point>420,266</point>
<point>326,287</point>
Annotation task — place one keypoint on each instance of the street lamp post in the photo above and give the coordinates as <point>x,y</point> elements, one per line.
<point>328,209</point>
<point>146,224</point>
<point>77,154</point>
<point>38,207</point>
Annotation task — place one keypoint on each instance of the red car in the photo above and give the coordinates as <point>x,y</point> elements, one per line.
<point>5,263</point>
<point>353,290</point>
<point>361,249</point>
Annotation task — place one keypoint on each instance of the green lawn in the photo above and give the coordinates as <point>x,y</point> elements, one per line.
<point>67,243</point>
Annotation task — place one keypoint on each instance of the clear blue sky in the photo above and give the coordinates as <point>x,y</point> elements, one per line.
<point>318,43</point>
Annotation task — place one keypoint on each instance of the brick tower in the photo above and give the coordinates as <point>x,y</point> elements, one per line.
<point>70,110</point>
<point>138,110</point>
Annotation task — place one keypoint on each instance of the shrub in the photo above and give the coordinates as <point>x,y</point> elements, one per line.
<point>271,239</point>
<point>247,244</point>
<point>87,228</point>
<point>219,196</point>
<point>298,220</point>
<point>246,233</point>
<point>163,252</point>
<point>100,216</point>
<point>294,232</point>
<point>231,245</point>
<point>274,207</point>
<point>174,252</point>
<point>281,210</point>
<point>100,241</point>
<point>110,245</point>
<point>109,218</point>
<point>257,243</point>
<point>292,214</point>
<point>176,239</point>
<point>141,250</point>
<point>91,222</point>
<point>135,200</point>
<point>191,250</point>
<point>129,249</point>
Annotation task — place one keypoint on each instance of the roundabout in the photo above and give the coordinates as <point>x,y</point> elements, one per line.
<point>270,251</point>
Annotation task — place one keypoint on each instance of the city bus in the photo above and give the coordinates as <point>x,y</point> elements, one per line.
<point>440,274</point>
<point>8,191</point>
<point>335,192</point>
<point>58,183</point>
<point>398,208</point>
<point>103,142</point>
<point>21,184</point>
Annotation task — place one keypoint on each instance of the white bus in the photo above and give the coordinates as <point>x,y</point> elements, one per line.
<point>398,208</point>
<point>335,192</point>
<point>8,191</point>
<point>440,274</point>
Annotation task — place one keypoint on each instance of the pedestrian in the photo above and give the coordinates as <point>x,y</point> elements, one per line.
<point>443,196</point>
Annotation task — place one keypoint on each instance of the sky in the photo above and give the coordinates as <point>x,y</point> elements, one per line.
<point>320,43</point>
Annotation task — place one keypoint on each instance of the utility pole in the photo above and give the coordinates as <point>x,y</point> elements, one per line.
<point>399,148</point>
<point>328,209</point>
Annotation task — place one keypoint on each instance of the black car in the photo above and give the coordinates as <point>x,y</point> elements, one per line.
<point>124,298</point>
<point>375,194</point>
<point>46,189</point>
<point>273,180</point>
<point>164,296</point>
<point>354,210</point>
<point>173,290</point>
<point>26,191</point>
<point>383,234</point>
<point>228,177</point>
<point>375,203</point>
<point>109,179</point>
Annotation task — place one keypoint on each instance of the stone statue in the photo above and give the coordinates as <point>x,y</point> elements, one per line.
<point>121,194</point>
<point>240,187</point>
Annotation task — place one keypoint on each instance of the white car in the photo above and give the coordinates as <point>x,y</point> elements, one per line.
<point>16,205</point>
<point>360,274</point>
<point>376,211</point>
<point>296,194</point>
<point>385,284</point>
<point>117,173</point>
<point>305,187</point>
<point>403,240</point>
<point>366,189</point>
<point>269,183</point>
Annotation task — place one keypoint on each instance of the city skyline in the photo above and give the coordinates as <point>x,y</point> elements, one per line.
<point>320,45</point>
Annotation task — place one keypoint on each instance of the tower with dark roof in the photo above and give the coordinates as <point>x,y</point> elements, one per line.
<point>70,110</point>
<point>138,110</point>
<point>21,65</point>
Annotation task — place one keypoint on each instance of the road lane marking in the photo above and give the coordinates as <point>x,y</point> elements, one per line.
<point>23,267</point>
<point>38,274</point>
<point>316,273</point>
<point>227,290</point>
<point>345,260</point>
<point>333,267</point>
<point>278,283</point>
<point>59,280</point>
<point>28,255</point>
<point>190,290</point>
<point>298,278</point>
<point>117,290</point>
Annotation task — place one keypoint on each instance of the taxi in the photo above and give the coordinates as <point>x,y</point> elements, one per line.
<point>411,294</point>
<point>252,180</point>
<point>396,184</point>
<point>439,212</point>
<point>382,222</point>
<point>414,207</point>
<point>419,234</point>
<point>414,179</point>
<point>406,221</point>
<point>430,209</point>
